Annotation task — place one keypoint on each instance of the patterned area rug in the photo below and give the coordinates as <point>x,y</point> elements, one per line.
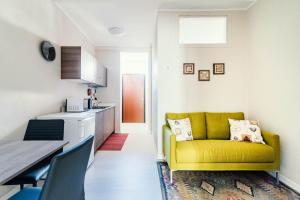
<point>194,185</point>
<point>114,142</point>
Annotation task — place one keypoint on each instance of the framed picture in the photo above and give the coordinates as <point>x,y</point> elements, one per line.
<point>219,68</point>
<point>204,75</point>
<point>188,68</point>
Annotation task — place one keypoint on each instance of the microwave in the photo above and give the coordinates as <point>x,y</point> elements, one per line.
<point>75,105</point>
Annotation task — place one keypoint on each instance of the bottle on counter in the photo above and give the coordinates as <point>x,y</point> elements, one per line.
<point>90,98</point>
<point>95,100</point>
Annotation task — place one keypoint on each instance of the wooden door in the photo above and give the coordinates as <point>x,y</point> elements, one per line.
<point>133,98</point>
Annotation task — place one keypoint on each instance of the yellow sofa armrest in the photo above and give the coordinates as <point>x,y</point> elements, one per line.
<point>169,146</point>
<point>273,140</point>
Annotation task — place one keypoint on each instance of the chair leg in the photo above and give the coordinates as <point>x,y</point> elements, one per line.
<point>21,186</point>
<point>83,195</point>
<point>34,184</point>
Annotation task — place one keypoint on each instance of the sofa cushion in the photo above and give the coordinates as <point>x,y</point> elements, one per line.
<point>218,126</point>
<point>182,129</point>
<point>197,122</point>
<point>223,151</point>
<point>245,130</point>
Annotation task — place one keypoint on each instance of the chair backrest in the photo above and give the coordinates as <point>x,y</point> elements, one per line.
<point>45,130</point>
<point>65,179</point>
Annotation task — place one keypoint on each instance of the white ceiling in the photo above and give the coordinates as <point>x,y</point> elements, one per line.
<point>137,17</point>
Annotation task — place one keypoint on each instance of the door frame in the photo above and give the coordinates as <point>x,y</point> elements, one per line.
<point>148,85</point>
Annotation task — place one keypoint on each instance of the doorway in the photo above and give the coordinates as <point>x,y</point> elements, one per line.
<point>133,95</point>
<point>135,92</point>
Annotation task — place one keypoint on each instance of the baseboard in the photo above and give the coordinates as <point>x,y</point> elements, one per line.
<point>288,182</point>
<point>160,157</point>
<point>160,160</point>
<point>10,193</point>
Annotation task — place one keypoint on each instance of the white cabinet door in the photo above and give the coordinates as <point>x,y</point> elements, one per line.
<point>101,76</point>
<point>88,67</point>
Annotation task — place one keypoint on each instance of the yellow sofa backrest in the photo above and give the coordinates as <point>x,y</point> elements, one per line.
<point>217,124</point>
<point>208,125</point>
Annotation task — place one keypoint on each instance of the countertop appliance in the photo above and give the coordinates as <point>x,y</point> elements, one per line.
<point>75,105</point>
<point>78,126</point>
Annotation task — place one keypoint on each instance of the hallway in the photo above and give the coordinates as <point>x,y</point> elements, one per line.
<point>130,174</point>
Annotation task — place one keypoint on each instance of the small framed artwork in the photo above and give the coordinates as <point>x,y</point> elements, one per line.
<point>188,68</point>
<point>204,75</point>
<point>219,68</point>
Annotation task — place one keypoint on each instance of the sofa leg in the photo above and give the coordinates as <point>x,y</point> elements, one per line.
<point>171,176</point>
<point>277,178</point>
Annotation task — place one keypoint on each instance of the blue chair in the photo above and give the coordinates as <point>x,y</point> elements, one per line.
<point>65,180</point>
<point>39,130</point>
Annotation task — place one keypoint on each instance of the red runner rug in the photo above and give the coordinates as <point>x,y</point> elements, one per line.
<point>114,142</point>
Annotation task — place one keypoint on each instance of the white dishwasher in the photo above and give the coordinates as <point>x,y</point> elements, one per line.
<point>78,126</point>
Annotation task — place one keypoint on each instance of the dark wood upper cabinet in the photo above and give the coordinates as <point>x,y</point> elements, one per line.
<point>78,64</point>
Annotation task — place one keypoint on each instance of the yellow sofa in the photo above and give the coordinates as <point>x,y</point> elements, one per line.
<point>212,149</point>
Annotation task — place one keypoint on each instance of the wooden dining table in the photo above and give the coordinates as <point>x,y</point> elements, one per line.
<point>18,156</point>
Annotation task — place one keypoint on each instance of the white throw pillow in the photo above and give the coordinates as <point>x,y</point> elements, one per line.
<point>181,128</point>
<point>245,130</point>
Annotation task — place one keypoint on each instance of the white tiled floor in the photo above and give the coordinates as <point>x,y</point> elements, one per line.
<point>130,174</point>
<point>139,128</point>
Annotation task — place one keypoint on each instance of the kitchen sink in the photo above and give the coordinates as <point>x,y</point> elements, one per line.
<point>100,107</point>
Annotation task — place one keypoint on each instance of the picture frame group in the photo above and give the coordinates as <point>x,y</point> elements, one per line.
<point>204,75</point>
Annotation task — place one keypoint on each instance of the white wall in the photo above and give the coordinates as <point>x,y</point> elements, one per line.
<point>184,93</point>
<point>110,58</point>
<point>274,97</point>
<point>29,85</point>
<point>154,87</point>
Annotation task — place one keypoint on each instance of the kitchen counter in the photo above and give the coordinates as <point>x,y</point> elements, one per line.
<point>80,115</point>
<point>103,121</point>
<point>107,104</point>
<point>95,110</point>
